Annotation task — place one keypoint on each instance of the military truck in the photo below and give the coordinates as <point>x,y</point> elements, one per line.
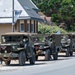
<point>43,46</point>
<point>73,41</point>
<point>63,43</point>
<point>17,46</point>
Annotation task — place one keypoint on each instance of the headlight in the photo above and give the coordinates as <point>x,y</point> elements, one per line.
<point>41,47</point>
<point>13,47</point>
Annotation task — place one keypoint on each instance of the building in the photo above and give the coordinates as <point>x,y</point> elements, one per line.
<point>28,17</point>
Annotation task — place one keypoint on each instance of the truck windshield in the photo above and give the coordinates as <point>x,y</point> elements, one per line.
<point>38,39</point>
<point>14,38</point>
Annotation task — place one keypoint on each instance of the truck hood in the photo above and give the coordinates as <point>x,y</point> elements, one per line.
<point>40,43</point>
<point>9,44</point>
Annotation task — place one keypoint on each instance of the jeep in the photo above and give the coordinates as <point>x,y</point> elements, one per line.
<point>43,47</point>
<point>73,41</point>
<point>63,43</point>
<point>17,46</point>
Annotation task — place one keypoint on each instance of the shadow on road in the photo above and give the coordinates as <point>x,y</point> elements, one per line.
<point>41,61</point>
<point>26,64</point>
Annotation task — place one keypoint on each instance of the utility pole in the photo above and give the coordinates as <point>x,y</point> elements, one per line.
<point>12,15</point>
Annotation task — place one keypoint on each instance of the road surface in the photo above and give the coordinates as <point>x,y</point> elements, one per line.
<point>63,66</point>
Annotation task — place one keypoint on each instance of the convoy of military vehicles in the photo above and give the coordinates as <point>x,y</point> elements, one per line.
<point>28,46</point>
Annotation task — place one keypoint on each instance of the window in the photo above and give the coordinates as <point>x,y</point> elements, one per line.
<point>28,27</point>
<point>32,26</point>
<point>35,26</point>
<point>22,27</point>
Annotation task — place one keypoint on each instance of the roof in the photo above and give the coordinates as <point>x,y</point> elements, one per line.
<point>45,18</point>
<point>29,3</point>
<point>5,20</point>
<point>19,33</point>
<point>25,5</point>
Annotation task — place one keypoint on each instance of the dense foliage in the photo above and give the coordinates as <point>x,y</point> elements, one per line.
<point>46,29</point>
<point>61,11</point>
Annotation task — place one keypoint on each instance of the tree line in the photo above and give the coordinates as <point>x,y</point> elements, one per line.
<point>61,11</point>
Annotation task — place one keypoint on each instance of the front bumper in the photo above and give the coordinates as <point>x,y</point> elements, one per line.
<point>8,55</point>
<point>40,52</point>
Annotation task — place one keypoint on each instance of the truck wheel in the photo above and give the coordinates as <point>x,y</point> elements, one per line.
<point>71,53</point>
<point>47,55</point>
<point>67,52</point>
<point>55,56</point>
<point>32,59</point>
<point>21,58</point>
<point>8,62</point>
<point>36,58</point>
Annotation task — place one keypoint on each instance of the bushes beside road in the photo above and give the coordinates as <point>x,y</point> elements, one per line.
<point>42,28</point>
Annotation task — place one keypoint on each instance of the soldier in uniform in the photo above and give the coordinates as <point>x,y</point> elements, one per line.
<point>27,46</point>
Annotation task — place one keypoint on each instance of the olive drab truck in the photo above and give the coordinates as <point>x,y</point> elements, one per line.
<point>63,43</point>
<point>17,46</point>
<point>73,41</point>
<point>43,46</point>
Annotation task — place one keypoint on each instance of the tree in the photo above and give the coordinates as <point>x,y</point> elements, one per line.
<point>66,13</point>
<point>48,7</point>
<point>59,10</point>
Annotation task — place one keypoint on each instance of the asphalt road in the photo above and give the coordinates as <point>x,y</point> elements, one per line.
<point>63,66</point>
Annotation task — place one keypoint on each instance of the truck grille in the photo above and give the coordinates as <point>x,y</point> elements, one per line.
<point>6,49</point>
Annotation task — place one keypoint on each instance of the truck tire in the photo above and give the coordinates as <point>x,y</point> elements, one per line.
<point>55,53</point>
<point>55,56</point>
<point>67,52</point>
<point>8,62</point>
<point>36,58</point>
<point>22,58</point>
<point>32,59</point>
<point>47,55</point>
<point>71,53</point>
